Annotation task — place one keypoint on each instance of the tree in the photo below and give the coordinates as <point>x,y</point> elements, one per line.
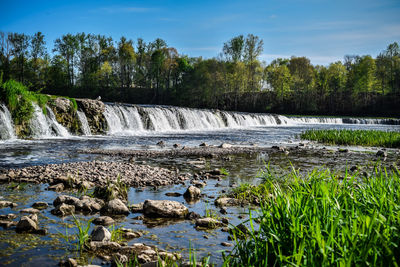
<point>20,45</point>
<point>279,78</point>
<point>233,49</point>
<point>126,55</point>
<point>252,50</point>
<point>67,46</point>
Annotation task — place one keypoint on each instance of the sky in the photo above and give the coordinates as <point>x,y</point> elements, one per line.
<point>323,31</point>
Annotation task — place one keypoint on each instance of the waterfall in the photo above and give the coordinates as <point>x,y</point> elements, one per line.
<point>43,126</point>
<point>6,125</point>
<point>123,119</point>
<point>84,123</point>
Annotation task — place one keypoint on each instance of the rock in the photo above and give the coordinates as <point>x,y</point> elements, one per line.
<point>225,221</point>
<point>34,218</point>
<point>135,208</point>
<point>130,234</point>
<point>343,150</point>
<point>115,207</point>
<point>161,143</point>
<point>57,187</point>
<point>7,204</point>
<point>63,210</point>
<point>198,183</point>
<point>225,145</point>
<point>40,205</point>
<point>176,145</point>
<point>7,224</point>
<point>30,210</point>
<point>226,244</point>
<point>226,202</point>
<point>192,193</point>
<point>88,204</point>
<point>101,234</point>
<point>203,144</point>
<point>208,223</point>
<point>381,154</point>
<point>106,245</point>
<point>192,216</point>
<point>223,211</point>
<point>68,263</point>
<point>26,224</point>
<point>165,208</point>
<point>353,168</point>
<point>173,194</point>
<point>70,200</point>
<point>103,220</point>
<point>10,216</point>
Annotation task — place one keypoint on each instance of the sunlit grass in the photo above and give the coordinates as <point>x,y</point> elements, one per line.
<point>354,137</point>
<point>323,220</point>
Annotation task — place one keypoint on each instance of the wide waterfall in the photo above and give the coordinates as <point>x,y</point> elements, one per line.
<point>6,125</point>
<point>124,119</point>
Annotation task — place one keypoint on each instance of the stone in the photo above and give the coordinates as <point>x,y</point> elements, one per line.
<point>7,224</point>
<point>30,210</point>
<point>57,187</point>
<point>115,207</point>
<point>226,244</point>
<point>226,202</point>
<point>101,234</point>
<point>165,208</point>
<point>223,211</point>
<point>176,145</point>
<point>203,144</point>
<point>161,143</point>
<point>130,234</point>
<point>192,216</point>
<point>192,192</point>
<point>10,216</point>
<point>225,221</point>
<point>208,223</point>
<point>40,205</point>
<point>26,224</point>
<point>135,208</point>
<point>173,194</point>
<point>103,220</point>
<point>34,218</point>
<point>381,154</point>
<point>88,204</point>
<point>225,145</point>
<point>70,200</point>
<point>63,210</point>
<point>7,204</point>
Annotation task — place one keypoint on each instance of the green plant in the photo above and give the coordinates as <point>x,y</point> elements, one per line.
<point>224,171</point>
<point>117,235</point>
<point>112,190</point>
<point>354,137</point>
<point>82,234</point>
<point>321,219</point>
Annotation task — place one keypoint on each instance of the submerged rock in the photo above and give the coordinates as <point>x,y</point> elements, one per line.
<point>30,210</point>
<point>208,223</point>
<point>40,205</point>
<point>227,201</point>
<point>165,208</point>
<point>7,204</point>
<point>135,208</point>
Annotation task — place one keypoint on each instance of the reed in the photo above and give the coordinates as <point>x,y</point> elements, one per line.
<point>324,220</point>
<point>388,139</point>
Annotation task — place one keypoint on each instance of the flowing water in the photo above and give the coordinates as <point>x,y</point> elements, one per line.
<point>141,127</point>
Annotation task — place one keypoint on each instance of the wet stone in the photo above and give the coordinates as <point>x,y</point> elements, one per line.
<point>192,193</point>
<point>115,207</point>
<point>40,205</point>
<point>30,210</point>
<point>165,208</point>
<point>101,234</point>
<point>63,210</point>
<point>7,204</point>
<point>26,224</point>
<point>104,220</point>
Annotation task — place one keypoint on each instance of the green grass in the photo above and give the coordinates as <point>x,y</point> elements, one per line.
<point>323,220</point>
<point>354,137</point>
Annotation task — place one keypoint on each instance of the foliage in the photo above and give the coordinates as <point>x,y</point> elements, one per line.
<point>354,137</point>
<point>322,220</point>
<point>88,65</point>
<point>113,189</point>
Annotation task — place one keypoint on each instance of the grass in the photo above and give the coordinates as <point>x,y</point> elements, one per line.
<point>113,189</point>
<point>82,234</point>
<point>354,137</point>
<point>323,220</point>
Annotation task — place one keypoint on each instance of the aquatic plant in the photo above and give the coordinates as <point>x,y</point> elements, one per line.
<point>224,171</point>
<point>322,219</point>
<point>113,189</point>
<point>82,235</point>
<point>117,235</point>
<point>354,137</point>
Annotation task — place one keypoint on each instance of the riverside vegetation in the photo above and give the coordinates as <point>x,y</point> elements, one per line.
<point>88,65</point>
<point>322,219</point>
<point>354,137</point>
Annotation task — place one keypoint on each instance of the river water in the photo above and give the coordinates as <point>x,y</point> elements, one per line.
<point>127,130</point>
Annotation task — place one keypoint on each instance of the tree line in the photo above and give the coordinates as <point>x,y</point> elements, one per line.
<point>88,65</point>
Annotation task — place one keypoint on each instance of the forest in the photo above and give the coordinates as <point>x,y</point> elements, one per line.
<point>87,66</point>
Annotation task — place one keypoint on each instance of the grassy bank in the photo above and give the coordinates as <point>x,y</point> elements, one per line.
<point>354,137</point>
<point>323,220</point>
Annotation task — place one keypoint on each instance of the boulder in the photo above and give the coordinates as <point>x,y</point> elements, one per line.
<point>225,145</point>
<point>7,224</point>
<point>104,220</point>
<point>101,234</point>
<point>381,154</point>
<point>30,210</point>
<point>26,224</point>
<point>165,208</point>
<point>115,207</point>
<point>192,192</point>
<point>57,187</point>
<point>63,210</point>
<point>10,216</point>
<point>89,204</point>
<point>70,200</point>
<point>135,208</point>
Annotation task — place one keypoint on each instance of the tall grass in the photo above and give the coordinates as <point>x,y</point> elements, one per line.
<point>354,137</point>
<point>321,220</point>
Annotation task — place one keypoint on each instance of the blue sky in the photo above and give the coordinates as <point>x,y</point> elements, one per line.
<point>324,31</point>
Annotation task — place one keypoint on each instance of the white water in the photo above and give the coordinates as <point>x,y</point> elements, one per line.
<point>6,125</point>
<point>43,126</point>
<point>84,123</point>
<point>132,120</point>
